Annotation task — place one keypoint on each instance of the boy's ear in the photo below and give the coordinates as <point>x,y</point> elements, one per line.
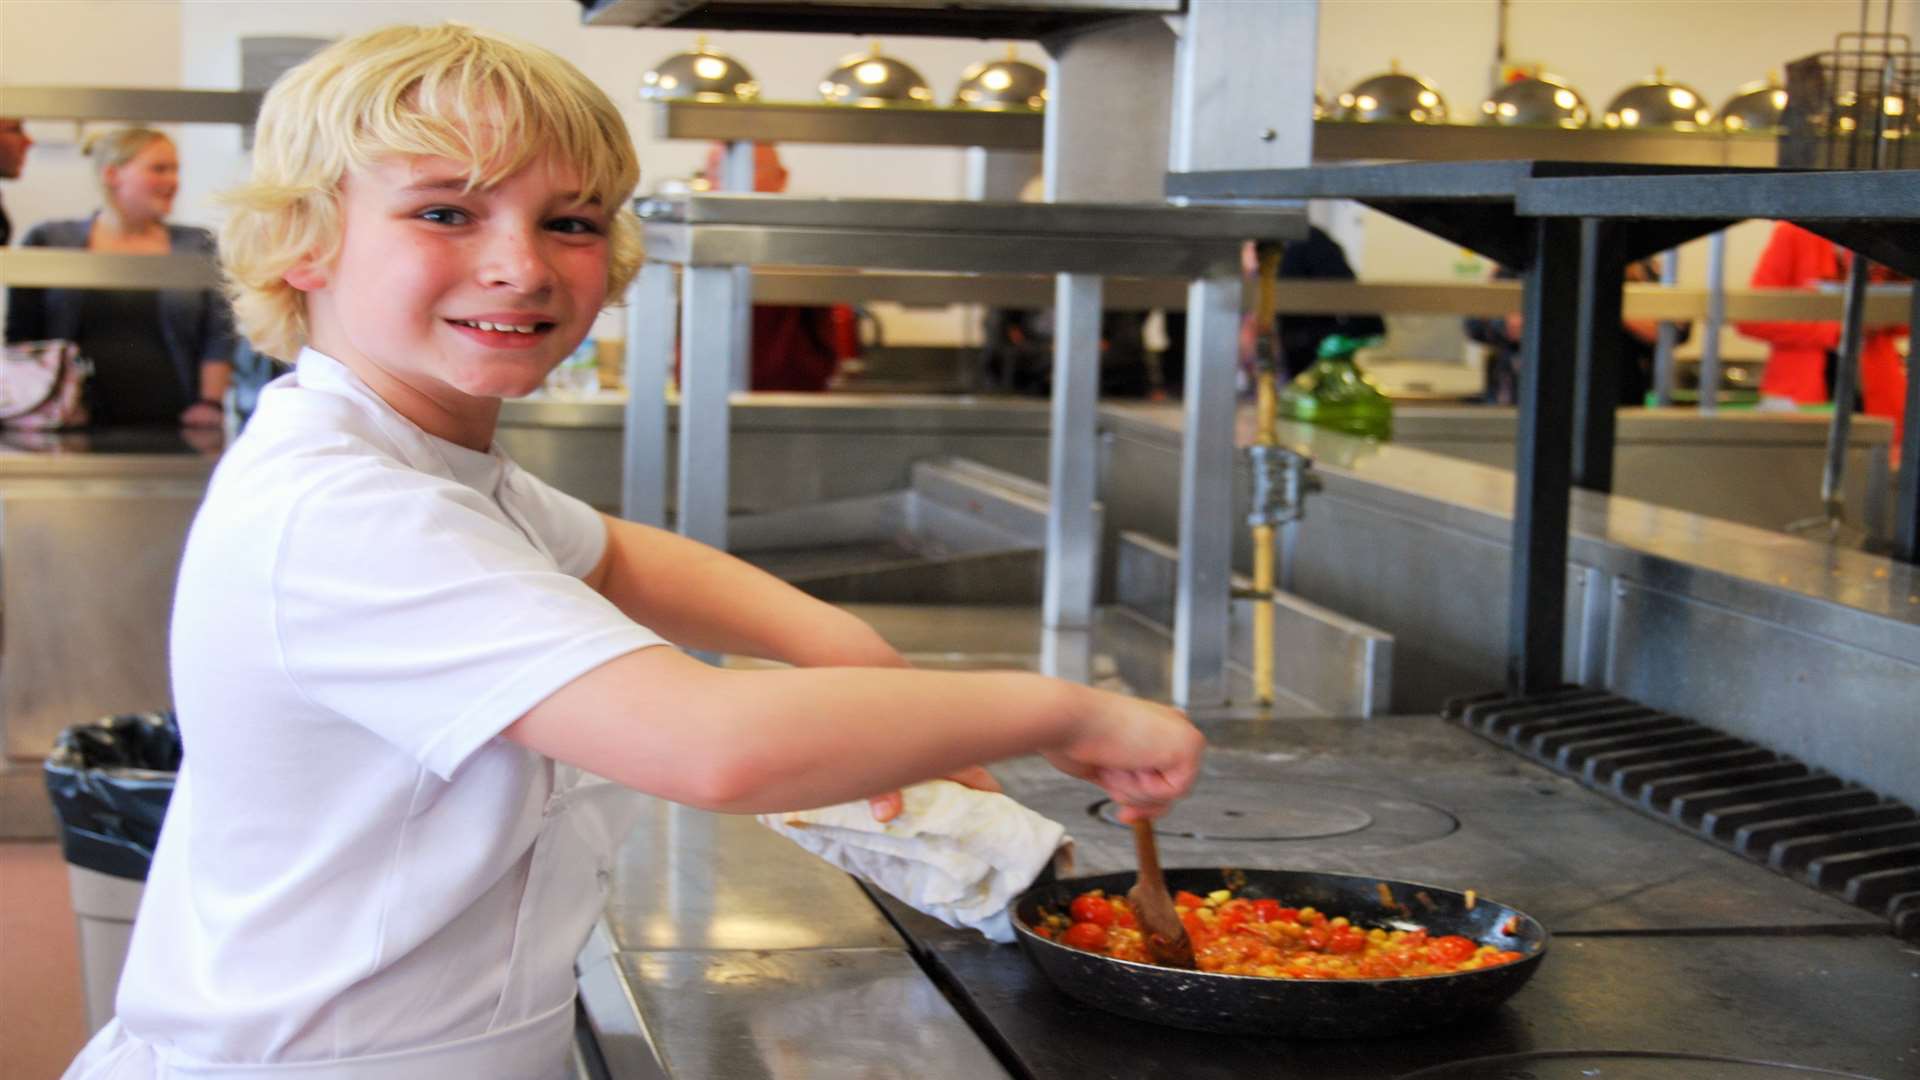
<point>307,275</point>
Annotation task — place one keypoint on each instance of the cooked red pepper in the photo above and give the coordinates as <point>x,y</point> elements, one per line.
<point>1238,936</point>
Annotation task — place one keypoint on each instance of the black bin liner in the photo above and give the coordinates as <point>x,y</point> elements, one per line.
<point>110,782</point>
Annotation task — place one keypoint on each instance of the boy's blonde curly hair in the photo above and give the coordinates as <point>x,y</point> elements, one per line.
<point>444,91</point>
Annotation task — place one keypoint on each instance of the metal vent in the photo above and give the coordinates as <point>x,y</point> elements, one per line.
<point>1831,833</point>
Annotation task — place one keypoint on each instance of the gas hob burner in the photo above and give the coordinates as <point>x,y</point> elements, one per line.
<point>1263,811</point>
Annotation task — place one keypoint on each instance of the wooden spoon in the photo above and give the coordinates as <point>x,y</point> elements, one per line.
<point>1167,943</point>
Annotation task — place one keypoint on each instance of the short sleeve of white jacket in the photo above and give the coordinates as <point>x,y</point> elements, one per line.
<point>421,609</point>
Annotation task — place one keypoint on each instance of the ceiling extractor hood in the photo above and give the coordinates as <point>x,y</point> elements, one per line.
<point>1018,19</point>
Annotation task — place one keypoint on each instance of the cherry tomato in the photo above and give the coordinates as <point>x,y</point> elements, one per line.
<point>1185,899</point>
<point>1452,949</point>
<point>1317,936</point>
<point>1124,918</point>
<point>1085,935</point>
<point>1378,967</point>
<point>1090,908</point>
<point>1043,930</point>
<point>1195,928</point>
<point>1268,910</point>
<point>1233,913</point>
<point>1345,939</point>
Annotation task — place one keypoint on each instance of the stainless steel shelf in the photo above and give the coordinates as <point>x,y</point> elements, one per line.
<point>1018,19</point>
<point>1333,140</point>
<point>956,236</point>
<point>1299,297</point>
<point>50,268</point>
<point>807,122</point>
<point>130,103</point>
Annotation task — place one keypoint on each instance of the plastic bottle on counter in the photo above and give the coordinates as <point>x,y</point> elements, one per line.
<point>578,376</point>
<point>1334,394</point>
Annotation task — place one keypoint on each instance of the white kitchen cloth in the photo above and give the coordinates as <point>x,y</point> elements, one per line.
<point>954,853</point>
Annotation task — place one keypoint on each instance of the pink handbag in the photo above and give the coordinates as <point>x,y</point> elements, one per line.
<point>41,384</point>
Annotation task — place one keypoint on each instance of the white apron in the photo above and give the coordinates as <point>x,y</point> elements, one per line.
<point>586,818</point>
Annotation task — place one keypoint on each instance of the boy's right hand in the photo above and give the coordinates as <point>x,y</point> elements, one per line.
<point>1144,754</point>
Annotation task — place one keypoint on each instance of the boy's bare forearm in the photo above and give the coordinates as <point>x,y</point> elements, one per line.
<point>764,741</point>
<point>705,599</point>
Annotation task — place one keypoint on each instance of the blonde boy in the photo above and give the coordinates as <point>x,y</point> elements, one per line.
<point>394,652</point>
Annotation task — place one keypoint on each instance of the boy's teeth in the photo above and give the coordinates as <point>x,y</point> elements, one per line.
<point>500,327</point>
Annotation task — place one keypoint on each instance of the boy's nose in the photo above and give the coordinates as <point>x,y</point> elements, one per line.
<point>515,260</point>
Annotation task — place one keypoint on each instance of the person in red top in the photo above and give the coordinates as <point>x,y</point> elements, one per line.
<point>795,347</point>
<point>1799,362</point>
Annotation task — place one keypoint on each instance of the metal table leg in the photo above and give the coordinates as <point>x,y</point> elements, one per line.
<point>1202,597</point>
<point>649,367</point>
<point>1597,356</point>
<point>1664,377</point>
<point>707,334</point>
<point>1716,318</point>
<point>1846,376</point>
<point>1906,523</point>
<point>741,174</point>
<point>1536,607</point>
<point>1073,462</point>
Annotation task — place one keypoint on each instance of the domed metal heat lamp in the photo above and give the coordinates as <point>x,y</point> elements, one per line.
<point>700,75</point>
<point>1657,103</point>
<point>1006,85</point>
<point>1393,97</point>
<point>870,80</point>
<point>1537,100</point>
<point>1755,106</point>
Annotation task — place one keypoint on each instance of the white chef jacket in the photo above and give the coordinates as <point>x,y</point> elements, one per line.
<point>362,608</point>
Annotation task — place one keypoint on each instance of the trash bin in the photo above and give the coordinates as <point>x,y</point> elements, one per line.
<point>110,782</point>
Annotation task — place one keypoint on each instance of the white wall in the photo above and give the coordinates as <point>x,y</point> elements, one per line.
<point>1599,46</point>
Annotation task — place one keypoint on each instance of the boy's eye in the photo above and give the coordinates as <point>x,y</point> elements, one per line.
<point>576,226</point>
<point>444,215</point>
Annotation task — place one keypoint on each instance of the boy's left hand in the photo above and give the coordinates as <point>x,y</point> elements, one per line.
<point>888,806</point>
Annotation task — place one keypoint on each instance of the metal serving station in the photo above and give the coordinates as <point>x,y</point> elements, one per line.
<point>1572,230</point>
<point>727,953</point>
<point>712,235</point>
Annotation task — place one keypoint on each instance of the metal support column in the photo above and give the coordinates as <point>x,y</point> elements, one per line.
<point>1537,598</point>
<point>1846,376</point>
<point>1669,336</point>
<point>1906,522</point>
<point>1073,460</point>
<point>1597,356</point>
<point>1716,318</point>
<point>707,339</point>
<point>649,367</point>
<point>741,174</point>
<point>1202,594</point>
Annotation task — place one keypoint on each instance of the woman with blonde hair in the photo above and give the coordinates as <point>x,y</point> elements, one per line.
<point>160,356</point>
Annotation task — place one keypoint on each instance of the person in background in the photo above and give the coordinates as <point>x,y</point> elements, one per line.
<point>1319,257</point>
<point>1502,335</point>
<point>159,356</point>
<point>397,656</point>
<point>1801,355</point>
<point>795,347</point>
<point>13,158</point>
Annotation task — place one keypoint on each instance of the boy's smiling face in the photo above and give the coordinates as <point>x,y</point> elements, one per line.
<point>446,300</point>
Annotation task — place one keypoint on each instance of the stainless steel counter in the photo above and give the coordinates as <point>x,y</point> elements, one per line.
<point>728,952</point>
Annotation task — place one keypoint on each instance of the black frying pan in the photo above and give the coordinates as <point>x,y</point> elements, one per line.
<point>1292,1008</point>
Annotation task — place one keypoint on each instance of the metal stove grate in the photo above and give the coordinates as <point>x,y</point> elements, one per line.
<point>1808,824</point>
